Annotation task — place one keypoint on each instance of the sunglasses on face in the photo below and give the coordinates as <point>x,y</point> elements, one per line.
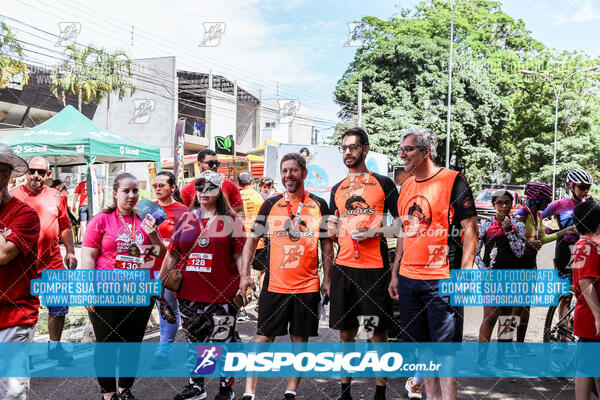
<point>584,187</point>
<point>503,203</point>
<point>159,185</point>
<point>40,171</point>
<point>205,187</point>
<point>212,163</point>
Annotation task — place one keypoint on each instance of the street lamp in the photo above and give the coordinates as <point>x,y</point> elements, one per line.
<point>557,92</point>
<point>448,114</point>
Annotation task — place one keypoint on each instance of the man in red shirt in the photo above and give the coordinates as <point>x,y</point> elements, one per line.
<point>207,159</point>
<point>84,212</point>
<point>54,223</point>
<point>19,230</point>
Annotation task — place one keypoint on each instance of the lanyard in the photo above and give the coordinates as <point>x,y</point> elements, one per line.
<point>294,220</point>
<point>204,229</point>
<point>535,222</point>
<point>131,232</point>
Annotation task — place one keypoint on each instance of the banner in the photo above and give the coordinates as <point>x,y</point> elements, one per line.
<point>178,153</point>
<point>324,359</point>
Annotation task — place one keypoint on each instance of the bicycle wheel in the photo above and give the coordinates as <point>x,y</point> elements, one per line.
<point>559,330</point>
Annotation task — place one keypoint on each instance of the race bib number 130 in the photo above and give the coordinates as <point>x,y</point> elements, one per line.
<point>128,262</point>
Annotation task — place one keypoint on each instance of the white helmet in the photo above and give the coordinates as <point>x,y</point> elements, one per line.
<point>579,176</point>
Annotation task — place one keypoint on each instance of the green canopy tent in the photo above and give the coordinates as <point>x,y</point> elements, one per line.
<point>70,138</point>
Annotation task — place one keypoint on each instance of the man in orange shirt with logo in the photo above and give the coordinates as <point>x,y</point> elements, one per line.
<point>433,203</point>
<point>51,208</point>
<point>293,224</point>
<point>360,276</point>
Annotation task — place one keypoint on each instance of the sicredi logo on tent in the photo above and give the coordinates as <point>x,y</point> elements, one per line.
<point>35,149</point>
<point>126,150</point>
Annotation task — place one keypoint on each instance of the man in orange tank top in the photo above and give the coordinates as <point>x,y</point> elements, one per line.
<point>360,275</point>
<point>433,202</point>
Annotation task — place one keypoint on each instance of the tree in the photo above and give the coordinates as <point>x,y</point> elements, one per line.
<point>12,68</point>
<point>116,71</point>
<point>79,76</point>
<point>403,65</point>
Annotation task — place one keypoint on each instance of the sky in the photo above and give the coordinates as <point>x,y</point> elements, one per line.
<point>290,49</point>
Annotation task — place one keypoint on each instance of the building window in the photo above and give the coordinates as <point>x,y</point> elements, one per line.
<point>314,136</point>
<point>269,124</point>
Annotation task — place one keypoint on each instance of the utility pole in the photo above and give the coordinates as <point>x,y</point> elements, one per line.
<point>360,104</point>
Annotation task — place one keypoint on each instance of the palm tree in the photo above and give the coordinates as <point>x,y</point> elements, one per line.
<point>116,71</point>
<point>78,75</point>
<point>12,69</point>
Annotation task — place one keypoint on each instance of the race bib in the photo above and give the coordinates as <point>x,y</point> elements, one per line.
<point>123,261</point>
<point>199,262</point>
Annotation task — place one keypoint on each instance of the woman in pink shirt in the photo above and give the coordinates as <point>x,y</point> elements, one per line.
<point>114,239</point>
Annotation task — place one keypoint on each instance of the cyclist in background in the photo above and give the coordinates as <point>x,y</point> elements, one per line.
<point>580,183</point>
<point>538,196</point>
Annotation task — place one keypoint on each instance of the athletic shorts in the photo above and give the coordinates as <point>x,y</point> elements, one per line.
<point>58,311</point>
<point>260,259</point>
<point>563,257</point>
<point>425,315</point>
<point>83,213</point>
<point>278,310</point>
<point>357,292</point>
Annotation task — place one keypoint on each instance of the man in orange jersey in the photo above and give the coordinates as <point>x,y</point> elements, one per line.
<point>433,203</point>
<point>293,224</point>
<point>51,208</point>
<point>360,275</point>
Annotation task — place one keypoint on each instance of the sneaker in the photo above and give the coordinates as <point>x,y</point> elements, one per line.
<point>414,391</point>
<point>246,398</point>
<point>59,354</point>
<point>225,393</point>
<point>289,396</point>
<point>346,397</point>
<point>160,362</point>
<point>191,391</point>
<point>115,396</point>
<point>379,397</point>
<point>126,395</point>
<point>242,315</point>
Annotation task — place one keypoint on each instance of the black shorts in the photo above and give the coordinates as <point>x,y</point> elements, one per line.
<point>278,310</point>
<point>563,257</point>
<point>360,291</point>
<point>260,259</point>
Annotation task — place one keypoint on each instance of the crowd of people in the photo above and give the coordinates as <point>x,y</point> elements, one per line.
<point>304,250</point>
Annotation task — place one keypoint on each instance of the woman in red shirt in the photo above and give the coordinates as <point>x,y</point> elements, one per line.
<point>168,197</point>
<point>208,240</point>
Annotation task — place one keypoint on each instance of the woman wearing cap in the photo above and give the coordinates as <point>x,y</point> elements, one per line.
<point>207,245</point>
<point>168,197</point>
<point>538,195</point>
<point>114,237</point>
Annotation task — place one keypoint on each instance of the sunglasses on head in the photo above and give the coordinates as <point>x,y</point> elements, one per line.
<point>40,171</point>
<point>201,187</point>
<point>212,163</point>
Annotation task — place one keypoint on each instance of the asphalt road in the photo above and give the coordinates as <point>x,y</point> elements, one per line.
<point>317,389</point>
